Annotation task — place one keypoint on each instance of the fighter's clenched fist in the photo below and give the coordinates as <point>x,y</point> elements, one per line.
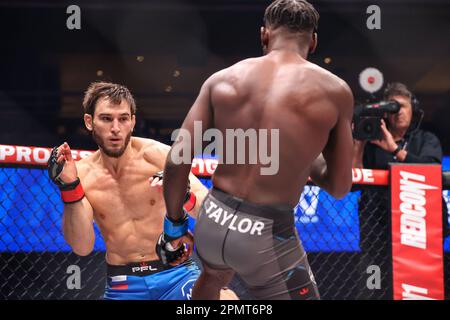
<point>63,172</point>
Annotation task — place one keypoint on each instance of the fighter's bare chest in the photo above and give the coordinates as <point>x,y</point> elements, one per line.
<point>129,194</point>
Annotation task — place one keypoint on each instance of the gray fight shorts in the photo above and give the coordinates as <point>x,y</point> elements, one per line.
<point>259,242</point>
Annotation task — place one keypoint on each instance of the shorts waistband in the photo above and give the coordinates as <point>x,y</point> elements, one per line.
<point>136,269</point>
<point>274,212</point>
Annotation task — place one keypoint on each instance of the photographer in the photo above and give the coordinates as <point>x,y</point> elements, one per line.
<point>400,140</point>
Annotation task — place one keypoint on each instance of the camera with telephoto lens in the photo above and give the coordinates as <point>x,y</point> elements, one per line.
<point>367,119</point>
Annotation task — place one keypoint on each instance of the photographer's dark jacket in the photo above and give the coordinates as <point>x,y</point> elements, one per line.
<point>422,147</point>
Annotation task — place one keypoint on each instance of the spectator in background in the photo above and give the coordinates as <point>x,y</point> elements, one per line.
<point>402,141</point>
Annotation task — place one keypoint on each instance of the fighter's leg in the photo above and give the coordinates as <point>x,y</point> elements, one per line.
<point>210,284</point>
<point>295,283</point>
<point>274,265</point>
<point>209,239</point>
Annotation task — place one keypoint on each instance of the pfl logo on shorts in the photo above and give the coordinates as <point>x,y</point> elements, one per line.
<point>143,267</point>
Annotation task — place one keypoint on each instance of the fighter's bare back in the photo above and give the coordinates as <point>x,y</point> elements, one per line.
<point>280,90</point>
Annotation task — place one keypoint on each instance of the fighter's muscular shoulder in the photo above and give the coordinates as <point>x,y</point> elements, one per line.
<point>325,81</point>
<point>230,86</point>
<point>233,73</point>
<point>154,152</point>
<point>324,90</point>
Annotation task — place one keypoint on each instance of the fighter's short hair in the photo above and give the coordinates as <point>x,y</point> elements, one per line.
<point>295,15</point>
<point>114,92</point>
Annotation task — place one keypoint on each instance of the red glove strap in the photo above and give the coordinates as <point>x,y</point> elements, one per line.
<point>190,203</point>
<point>71,196</point>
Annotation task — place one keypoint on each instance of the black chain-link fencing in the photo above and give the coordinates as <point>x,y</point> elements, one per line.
<point>346,240</point>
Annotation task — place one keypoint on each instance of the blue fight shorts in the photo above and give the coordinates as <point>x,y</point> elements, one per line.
<point>151,280</point>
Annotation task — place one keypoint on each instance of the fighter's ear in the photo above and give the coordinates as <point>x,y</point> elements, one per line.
<point>313,43</point>
<point>133,121</point>
<point>264,38</point>
<point>88,121</point>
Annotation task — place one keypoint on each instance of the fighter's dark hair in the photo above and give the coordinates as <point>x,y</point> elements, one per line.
<point>114,92</point>
<point>295,15</point>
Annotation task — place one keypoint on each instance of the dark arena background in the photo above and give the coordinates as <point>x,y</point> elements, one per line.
<point>163,51</point>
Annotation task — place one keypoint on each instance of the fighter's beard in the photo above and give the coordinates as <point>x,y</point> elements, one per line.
<point>110,153</point>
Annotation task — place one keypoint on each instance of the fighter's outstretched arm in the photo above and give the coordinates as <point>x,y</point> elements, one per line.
<point>179,159</point>
<point>171,247</point>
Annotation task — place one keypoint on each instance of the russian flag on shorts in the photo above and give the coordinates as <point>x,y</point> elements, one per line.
<point>119,283</point>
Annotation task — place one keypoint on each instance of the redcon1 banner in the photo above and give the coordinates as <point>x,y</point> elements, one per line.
<point>417,248</point>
